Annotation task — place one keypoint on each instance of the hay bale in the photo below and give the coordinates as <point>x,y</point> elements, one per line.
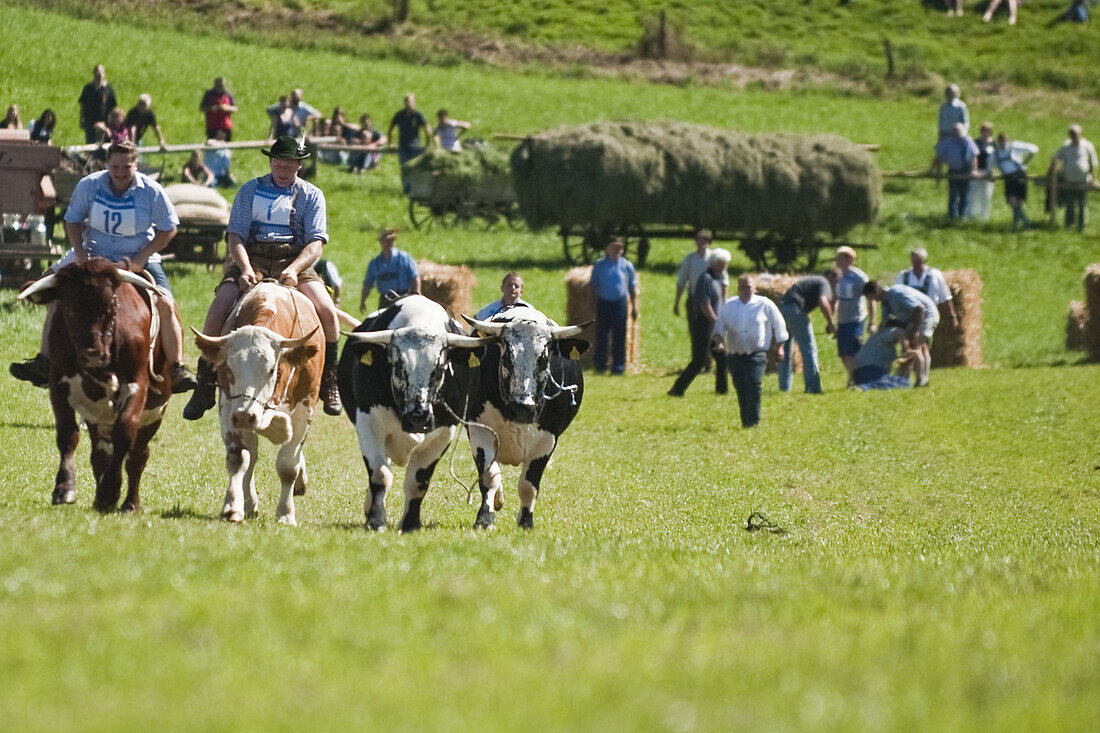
<point>580,306</point>
<point>475,175</point>
<point>614,175</point>
<point>1092,303</point>
<point>775,287</point>
<point>449,285</point>
<point>961,346</point>
<point>1076,323</point>
<point>202,214</point>
<point>190,193</point>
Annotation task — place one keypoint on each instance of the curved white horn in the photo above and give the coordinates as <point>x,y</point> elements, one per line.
<point>39,286</point>
<point>566,332</point>
<point>136,280</point>
<point>300,341</point>
<point>382,338</point>
<point>210,341</point>
<point>493,329</point>
<point>466,342</point>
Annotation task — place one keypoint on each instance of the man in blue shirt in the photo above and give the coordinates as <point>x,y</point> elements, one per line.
<point>959,153</point>
<point>277,229</point>
<point>392,270</point>
<point>614,284</point>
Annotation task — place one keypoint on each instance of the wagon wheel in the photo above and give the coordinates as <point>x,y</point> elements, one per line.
<point>421,215</point>
<point>772,252</point>
<point>575,248</point>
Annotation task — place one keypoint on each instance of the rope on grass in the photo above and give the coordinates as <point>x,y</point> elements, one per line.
<point>760,521</point>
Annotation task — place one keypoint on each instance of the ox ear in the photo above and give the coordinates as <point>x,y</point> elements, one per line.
<point>298,351</point>
<point>212,347</point>
<point>571,348</point>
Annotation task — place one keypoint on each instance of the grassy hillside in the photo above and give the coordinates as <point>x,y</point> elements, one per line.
<point>938,568</point>
<point>845,40</point>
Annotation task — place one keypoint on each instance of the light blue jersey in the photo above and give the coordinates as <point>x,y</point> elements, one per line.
<point>850,305</point>
<point>117,227</point>
<point>265,212</point>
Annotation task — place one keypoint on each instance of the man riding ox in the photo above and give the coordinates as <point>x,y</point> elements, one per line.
<point>106,365</point>
<point>530,389</point>
<point>403,378</point>
<point>268,364</point>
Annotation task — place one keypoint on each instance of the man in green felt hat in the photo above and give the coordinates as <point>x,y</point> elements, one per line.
<point>277,229</point>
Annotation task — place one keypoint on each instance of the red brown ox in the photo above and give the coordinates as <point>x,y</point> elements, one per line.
<point>269,362</point>
<point>104,367</point>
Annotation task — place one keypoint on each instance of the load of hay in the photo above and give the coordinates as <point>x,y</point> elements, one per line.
<point>961,346</point>
<point>476,175</point>
<point>1076,322</point>
<point>198,204</point>
<point>580,306</point>
<point>617,174</point>
<point>1092,305</point>
<point>449,285</point>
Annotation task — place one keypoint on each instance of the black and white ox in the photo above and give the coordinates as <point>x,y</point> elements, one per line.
<point>403,379</point>
<point>529,390</point>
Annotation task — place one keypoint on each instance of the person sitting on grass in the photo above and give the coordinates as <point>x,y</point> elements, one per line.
<point>873,362</point>
<point>916,310</point>
<point>196,172</point>
<point>219,159</point>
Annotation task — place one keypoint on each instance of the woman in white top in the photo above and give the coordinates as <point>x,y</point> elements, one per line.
<point>448,131</point>
<point>1011,158</point>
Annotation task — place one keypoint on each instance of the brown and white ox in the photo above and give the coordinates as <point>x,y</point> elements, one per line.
<point>102,338</point>
<point>268,362</point>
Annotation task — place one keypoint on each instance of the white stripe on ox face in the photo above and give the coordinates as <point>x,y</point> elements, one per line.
<point>252,356</point>
<point>418,359</point>
<point>525,361</point>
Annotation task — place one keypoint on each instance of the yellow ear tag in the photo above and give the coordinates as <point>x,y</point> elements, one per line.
<point>575,353</point>
<point>367,358</point>
<point>474,361</point>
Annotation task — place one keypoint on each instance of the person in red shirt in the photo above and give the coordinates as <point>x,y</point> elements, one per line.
<point>218,106</point>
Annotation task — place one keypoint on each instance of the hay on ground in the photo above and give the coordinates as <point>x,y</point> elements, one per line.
<point>449,285</point>
<point>471,176</point>
<point>1092,303</point>
<point>961,346</point>
<point>580,306</point>
<point>614,175</point>
<point>1076,323</point>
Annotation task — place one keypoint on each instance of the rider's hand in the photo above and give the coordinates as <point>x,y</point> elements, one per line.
<point>79,254</point>
<point>289,278</point>
<point>247,280</point>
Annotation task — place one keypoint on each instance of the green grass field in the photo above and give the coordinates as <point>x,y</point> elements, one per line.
<point>938,570</point>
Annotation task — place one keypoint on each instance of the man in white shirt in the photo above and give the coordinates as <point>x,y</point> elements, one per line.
<point>1078,168</point>
<point>931,282</point>
<point>747,327</point>
<point>511,287</point>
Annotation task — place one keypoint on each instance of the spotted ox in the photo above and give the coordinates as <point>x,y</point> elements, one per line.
<point>403,378</point>
<point>102,338</point>
<point>529,390</point>
<point>268,362</point>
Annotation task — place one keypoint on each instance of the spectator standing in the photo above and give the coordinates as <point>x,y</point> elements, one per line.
<point>687,276</point>
<point>931,282</point>
<point>1011,158</point>
<point>953,111</point>
<point>708,295</point>
<point>959,153</point>
<point>994,4</point>
<point>852,309</point>
<point>614,285</point>
<point>97,99</point>
<point>981,188</point>
<point>218,106</point>
<point>800,300</point>
<point>511,288</point>
<point>42,128</point>
<point>954,8</point>
<point>304,113</point>
<point>12,120</point>
<point>916,312</point>
<point>448,131</point>
<point>115,129</point>
<point>1077,160</point>
<point>140,118</point>
<point>196,172</point>
<point>283,121</point>
<point>392,270</point>
<point>411,127</point>
<point>219,159</point>
<point>366,135</point>
<point>747,326</point>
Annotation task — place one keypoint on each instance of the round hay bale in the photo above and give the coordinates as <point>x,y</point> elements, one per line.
<point>449,285</point>
<point>580,306</point>
<point>961,346</point>
<point>1092,304</point>
<point>202,214</point>
<point>1076,323</point>
<point>615,175</point>
<point>189,193</point>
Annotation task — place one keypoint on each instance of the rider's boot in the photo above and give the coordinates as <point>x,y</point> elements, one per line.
<point>330,393</point>
<point>182,378</point>
<point>203,398</point>
<point>36,370</point>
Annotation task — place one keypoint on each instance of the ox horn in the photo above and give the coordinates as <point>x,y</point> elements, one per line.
<point>300,341</point>
<point>136,280</point>
<point>493,329</point>
<point>202,339</point>
<point>39,286</point>
<point>567,332</point>
<point>466,342</point>
<point>382,338</point>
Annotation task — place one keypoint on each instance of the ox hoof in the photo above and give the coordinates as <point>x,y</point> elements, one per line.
<point>232,515</point>
<point>288,520</point>
<point>134,507</point>
<point>63,496</point>
<point>375,526</point>
<point>485,519</point>
<point>498,501</point>
<point>526,519</point>
<point>300,488</point>
<point>103,507</point>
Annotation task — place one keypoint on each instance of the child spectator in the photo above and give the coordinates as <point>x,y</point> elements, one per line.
<point>1011,158</point>
<point>448,131</point>
<point>42,128</point>
<point>12,121</point>
<point>981,188</point>
<point>366,135</point>
<point>115,129</point>
<point>196,172</point>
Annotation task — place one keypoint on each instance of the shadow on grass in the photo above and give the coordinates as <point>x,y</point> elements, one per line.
<point>178,512</point>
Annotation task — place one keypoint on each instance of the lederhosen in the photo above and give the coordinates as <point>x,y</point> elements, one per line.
<point>1015,182</point>
<point>269,258</point>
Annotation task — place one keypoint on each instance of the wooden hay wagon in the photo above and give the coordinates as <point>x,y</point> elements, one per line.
<point>456,188</point>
